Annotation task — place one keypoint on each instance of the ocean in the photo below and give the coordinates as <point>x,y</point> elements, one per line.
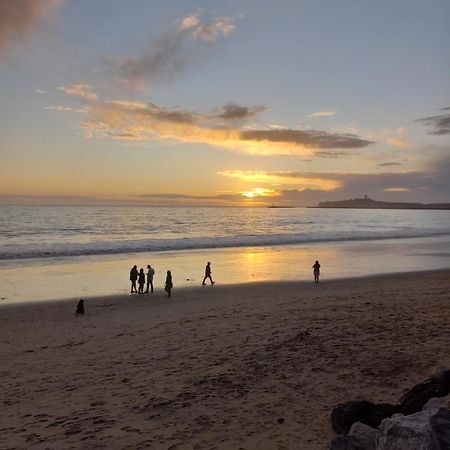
<point>57,249</point>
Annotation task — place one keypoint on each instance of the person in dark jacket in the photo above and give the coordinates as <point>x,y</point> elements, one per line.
<point>141,281</point>
<point>169,285</point>
<point>208,274</point>
<point>134,274</point>
<point>316,271</point>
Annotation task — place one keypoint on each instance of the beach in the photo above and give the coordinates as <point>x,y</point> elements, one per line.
<point>250,366</point>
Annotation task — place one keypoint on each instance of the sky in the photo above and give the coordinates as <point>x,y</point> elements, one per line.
<point>226,103</point>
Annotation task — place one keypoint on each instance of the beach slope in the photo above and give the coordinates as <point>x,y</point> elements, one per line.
<point>256,366</point>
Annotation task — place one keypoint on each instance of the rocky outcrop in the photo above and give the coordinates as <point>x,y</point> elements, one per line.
<point>345,415</point>
<point>416,398</point>
<point>425,430</point>
<point>360,437</point>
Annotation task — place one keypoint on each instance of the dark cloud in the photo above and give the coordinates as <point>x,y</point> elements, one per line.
<point>18,17</point>
<point>439,124</point>
<point>167,57</point>
<point>233,111</point>
<point>308,138</point>
<point>174,52</point>
<point>390,164</point>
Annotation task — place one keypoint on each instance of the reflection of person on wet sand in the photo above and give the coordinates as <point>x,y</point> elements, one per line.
<point>316,271</point>
<point>207,274</point>
<point>141,281</point>
<point>169,285</point>
<point>133,278</point>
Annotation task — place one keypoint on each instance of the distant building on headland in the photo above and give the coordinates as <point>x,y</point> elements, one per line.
<point>368,203</point>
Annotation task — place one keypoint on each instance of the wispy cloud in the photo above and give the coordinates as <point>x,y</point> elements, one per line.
<point>322,114</point>
<point>136,120</point>
<point>19,17</point>
<point>172,53</point>
<point>440,124</point>
<point>301,180</point>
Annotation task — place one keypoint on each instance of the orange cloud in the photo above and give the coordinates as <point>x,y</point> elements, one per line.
<point>302,181</point>
<point>136,120</point>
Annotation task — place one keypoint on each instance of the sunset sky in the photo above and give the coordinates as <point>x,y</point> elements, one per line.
<point>224,103</point>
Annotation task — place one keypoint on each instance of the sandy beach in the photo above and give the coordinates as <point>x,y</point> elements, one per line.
<point>250,366</point>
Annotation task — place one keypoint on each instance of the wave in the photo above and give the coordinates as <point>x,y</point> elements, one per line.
<point>22,251</point>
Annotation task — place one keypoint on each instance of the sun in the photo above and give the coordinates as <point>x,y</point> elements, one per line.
<point>249,194</point>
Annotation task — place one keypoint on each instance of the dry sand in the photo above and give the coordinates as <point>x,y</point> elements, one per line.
<point>216,367</point>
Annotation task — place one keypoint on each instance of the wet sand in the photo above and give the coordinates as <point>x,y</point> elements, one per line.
<point>216,367</point>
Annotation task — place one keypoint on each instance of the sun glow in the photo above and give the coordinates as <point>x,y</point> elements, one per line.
<point>259,192</point>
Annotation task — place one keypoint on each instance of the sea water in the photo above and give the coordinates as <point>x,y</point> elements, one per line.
<point>62,251</point>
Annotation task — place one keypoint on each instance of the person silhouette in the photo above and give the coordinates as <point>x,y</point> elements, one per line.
<point>208,274</point>
<point>80,307</point>
<point>169,285</point>
<point>141,281</point>
<point>316,271</point>
<point>134,274</point>
<point>150,273</point>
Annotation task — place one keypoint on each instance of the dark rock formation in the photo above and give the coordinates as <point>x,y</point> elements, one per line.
<point>416,398</point>
<point>425,430</point>
<point>345,415</point>
<point>360,437</point>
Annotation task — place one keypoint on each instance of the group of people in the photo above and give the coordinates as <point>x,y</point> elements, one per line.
<point>140,277</point>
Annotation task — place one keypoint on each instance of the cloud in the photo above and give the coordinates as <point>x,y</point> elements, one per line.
<point>322,114</point>
<point>302,180</point>
<point>233,111</point>
<point>399,142</point>
<point>81,91</point>
<point>172,53</point>
<point>390,164</point>
<point>307,138</point>
<point>439,124</point>
<point>211,31</point>
<point>136,120</point>
<point>19,17</point>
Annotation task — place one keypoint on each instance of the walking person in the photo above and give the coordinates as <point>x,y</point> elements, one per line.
<point>141,281</point>
<point>168,285</point>
<point>134,274</point>
<point>208,274</point>
<point>150,273</point>
<point>316,271</point>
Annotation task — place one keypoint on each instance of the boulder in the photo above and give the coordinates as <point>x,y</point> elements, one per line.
<point>360,437</point>
<point>425,430</point>
<point>345,415</point>
<point>438,402</point>
<point>416,398</point>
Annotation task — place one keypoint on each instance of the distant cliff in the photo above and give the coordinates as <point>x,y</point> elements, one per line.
<point>368,203</point>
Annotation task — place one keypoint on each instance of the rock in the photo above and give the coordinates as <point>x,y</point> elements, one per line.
<point>416,398</point>
<point>364,433</point>
<point>425,430</point>
<point>438,402</point>
<point>345,415</point>
<point>360,437</point>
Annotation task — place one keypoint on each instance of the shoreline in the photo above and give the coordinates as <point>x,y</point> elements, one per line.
<point>182,291</point>
<point>217,367</point>
<point>108,275</point>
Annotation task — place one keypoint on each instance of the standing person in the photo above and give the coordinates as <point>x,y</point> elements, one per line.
<point>150,273</point>
<point>316,271</point>
<point>169,285</point>
<point>134,274</point>
<point>208,274</point>
<point>141,281</point>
